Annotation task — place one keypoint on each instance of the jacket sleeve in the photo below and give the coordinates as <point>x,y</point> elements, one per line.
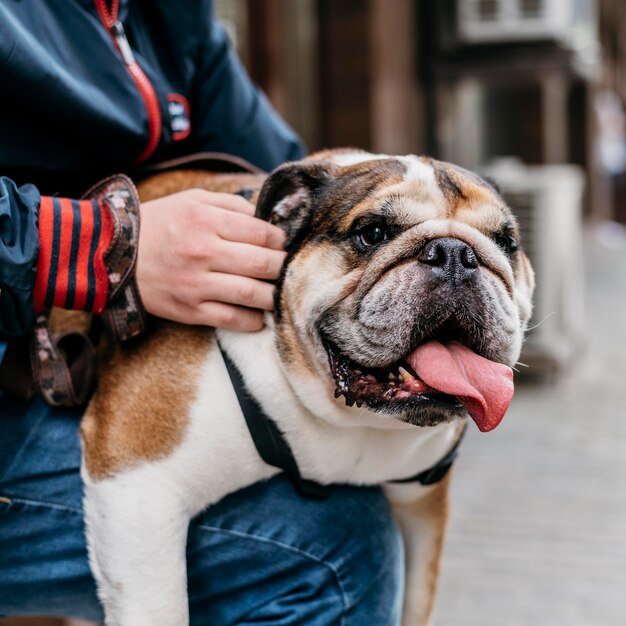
<point>229,114</point>
<point>72,254</point>
<point>73,238</point>
<point>19,250</point>
<point>51,254</point>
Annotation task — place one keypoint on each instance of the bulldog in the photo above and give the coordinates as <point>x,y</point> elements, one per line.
<point>399,312</point>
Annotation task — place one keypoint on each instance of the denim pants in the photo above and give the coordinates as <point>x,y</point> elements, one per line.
<point>261,555</point>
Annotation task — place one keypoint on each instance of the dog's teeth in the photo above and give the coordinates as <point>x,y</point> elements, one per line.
<point>391,376</point>
<point>406,377</point>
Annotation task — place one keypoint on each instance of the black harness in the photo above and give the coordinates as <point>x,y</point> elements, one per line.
<point>274,449</point>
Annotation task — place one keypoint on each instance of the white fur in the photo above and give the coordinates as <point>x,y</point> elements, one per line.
<point>344,159</point>
<point>420,171</point>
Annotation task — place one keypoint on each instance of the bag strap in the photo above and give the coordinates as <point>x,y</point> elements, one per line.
<point>63,365</point>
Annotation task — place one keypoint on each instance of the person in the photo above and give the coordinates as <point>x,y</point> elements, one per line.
<point>91,88</point>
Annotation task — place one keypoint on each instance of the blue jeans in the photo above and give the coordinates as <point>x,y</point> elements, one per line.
<point>261,555</point>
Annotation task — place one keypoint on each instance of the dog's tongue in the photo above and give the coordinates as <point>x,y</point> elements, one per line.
<point>485,388</point>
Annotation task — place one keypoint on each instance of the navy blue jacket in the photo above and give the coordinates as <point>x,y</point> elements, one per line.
<point>73,112</point>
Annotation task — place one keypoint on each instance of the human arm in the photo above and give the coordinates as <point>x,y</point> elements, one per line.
<point>198,268</point>
<point>52,253</point>
<point>19,249</point>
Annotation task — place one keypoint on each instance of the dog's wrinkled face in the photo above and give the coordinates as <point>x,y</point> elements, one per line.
<point>387,254</point>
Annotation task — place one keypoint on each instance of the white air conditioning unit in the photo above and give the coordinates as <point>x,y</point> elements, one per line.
<point>547,201</point>
<point>570,22</point>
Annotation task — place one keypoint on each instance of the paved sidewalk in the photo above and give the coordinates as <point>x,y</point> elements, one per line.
<point>538,528</point>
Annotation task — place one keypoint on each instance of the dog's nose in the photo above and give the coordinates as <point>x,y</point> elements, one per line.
<point>449,258</point>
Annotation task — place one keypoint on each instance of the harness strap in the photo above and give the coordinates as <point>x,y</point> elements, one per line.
<point>275,450</point>
<point>268,440</point>
<point>438,471</point>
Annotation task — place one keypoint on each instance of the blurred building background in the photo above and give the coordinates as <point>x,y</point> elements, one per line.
<point>532,93</point>
<point>466,80</point>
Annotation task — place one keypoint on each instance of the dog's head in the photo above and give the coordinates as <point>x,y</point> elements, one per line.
<point>404,282</point>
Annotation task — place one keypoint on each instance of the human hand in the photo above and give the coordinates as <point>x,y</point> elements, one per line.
<point>203,257</point>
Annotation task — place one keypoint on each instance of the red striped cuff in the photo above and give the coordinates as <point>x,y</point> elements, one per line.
<point>73,238</point>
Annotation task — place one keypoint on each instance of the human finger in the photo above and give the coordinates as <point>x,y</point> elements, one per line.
<point>221,315</point>
<point>244,229</point>
<point>247,260</point>
<point>240,290</point>
<point>228,201</point>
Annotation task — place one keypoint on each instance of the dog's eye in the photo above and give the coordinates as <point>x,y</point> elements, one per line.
<point>507,243</point>
<point>372,235</point>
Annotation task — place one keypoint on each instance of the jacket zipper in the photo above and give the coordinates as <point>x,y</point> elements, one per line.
<point>115,28</point>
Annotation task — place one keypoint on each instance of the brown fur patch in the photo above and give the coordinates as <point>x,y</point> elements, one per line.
<point>470,198</point>
<point>145,389</point>
<point>359,179</point>
<point>168,183</point>
<point>347,191</point>
<point>415,193</point>
<point>64,321</point>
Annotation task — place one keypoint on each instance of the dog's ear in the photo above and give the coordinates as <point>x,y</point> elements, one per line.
<point>287,198</point>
